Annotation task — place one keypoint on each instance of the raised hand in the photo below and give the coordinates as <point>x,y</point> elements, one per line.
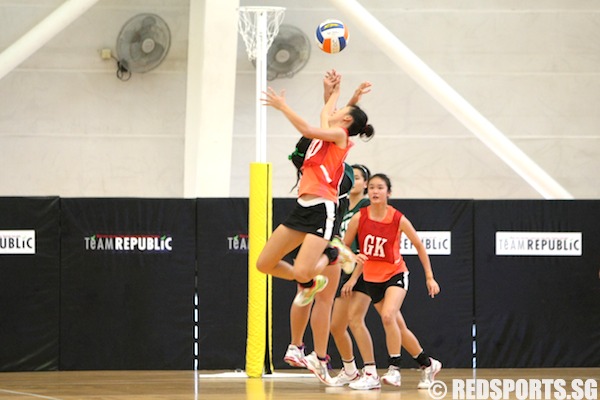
<point>271,98</point>
<point>363,88</point>
<point>331,80</point>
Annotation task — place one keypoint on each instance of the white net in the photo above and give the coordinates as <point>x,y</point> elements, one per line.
<point>248,23</point>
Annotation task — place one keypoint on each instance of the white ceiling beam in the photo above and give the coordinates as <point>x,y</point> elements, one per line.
<point>483,129</point>
<point>42,33</point>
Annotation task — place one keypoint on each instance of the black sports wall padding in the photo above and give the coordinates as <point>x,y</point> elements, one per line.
<point>222,282</point>
<point>127,284</point>
<point>537,311</point>
<point>29,285</point>
<point>82,302</point>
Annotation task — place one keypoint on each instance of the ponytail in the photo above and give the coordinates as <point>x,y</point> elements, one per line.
<point>359,124</point>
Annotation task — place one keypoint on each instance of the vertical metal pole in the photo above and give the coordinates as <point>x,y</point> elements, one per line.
<point>261,86</point>
<point>259,347</point>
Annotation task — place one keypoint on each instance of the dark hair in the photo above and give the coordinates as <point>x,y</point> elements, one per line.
<point>364,172</point>
<point>359,124</point>
<point>384,178</point>
<point>297,157</point>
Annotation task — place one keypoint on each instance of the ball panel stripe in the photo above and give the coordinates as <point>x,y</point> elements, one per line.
<point>319,36</point>
<point>332,36</point>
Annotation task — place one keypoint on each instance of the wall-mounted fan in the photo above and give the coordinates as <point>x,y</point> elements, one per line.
<point>288,54</point>
<point>143,43</point>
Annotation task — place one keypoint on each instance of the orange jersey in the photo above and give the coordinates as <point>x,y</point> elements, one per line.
<point>380,242</point>
<point>323,169</point>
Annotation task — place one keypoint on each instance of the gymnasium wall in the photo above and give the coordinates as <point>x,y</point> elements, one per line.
<point>162,284</point>
<point>70,128</point>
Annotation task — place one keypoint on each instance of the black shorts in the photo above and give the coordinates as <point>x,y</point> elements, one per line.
<point>317,217</point>
<point>360,285</point>
<point>377,289</point>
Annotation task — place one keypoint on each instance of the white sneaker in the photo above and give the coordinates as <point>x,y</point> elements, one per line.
<point>318,367</point>
<point>307,295</point>
<point>366,382</point>
<point>428,374</point>
<point>346,257</point>
<point>294,356</point>
<point>343,378</point>
<point>392,377</point>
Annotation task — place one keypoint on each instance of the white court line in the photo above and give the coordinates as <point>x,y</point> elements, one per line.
<point>29,394</point>
<point>242,375</point>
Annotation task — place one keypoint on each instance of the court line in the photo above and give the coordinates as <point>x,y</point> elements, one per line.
<point>29,394</point>
<point>242,375</point>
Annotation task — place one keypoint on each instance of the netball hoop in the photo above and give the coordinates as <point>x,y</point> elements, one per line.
<point>258,27</point>
<point>259,19</point>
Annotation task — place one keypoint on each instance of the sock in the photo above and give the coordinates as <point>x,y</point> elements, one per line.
<point>349,367</point>
<point>324,360</point>
<point>307,285</point>
<point>332,254</point>
<point>371,369</point>
<point>395,360</point>
<point>423,360</point>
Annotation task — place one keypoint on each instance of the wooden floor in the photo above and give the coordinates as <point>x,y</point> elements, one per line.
<point>219,385</point>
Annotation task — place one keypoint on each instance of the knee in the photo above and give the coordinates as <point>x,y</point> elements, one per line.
<point>337,329</point>
<point>325,300</point>
<point>356,324</point>
<point>263,266</point>
<point>301,275</point>
<point>388,318</point>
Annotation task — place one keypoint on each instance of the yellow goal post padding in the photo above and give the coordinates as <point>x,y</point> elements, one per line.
<point>260,224</point>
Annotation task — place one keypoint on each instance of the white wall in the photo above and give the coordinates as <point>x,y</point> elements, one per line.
<point>68,127</point>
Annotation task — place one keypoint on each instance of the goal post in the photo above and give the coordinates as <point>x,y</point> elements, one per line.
<point>258,27</point>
